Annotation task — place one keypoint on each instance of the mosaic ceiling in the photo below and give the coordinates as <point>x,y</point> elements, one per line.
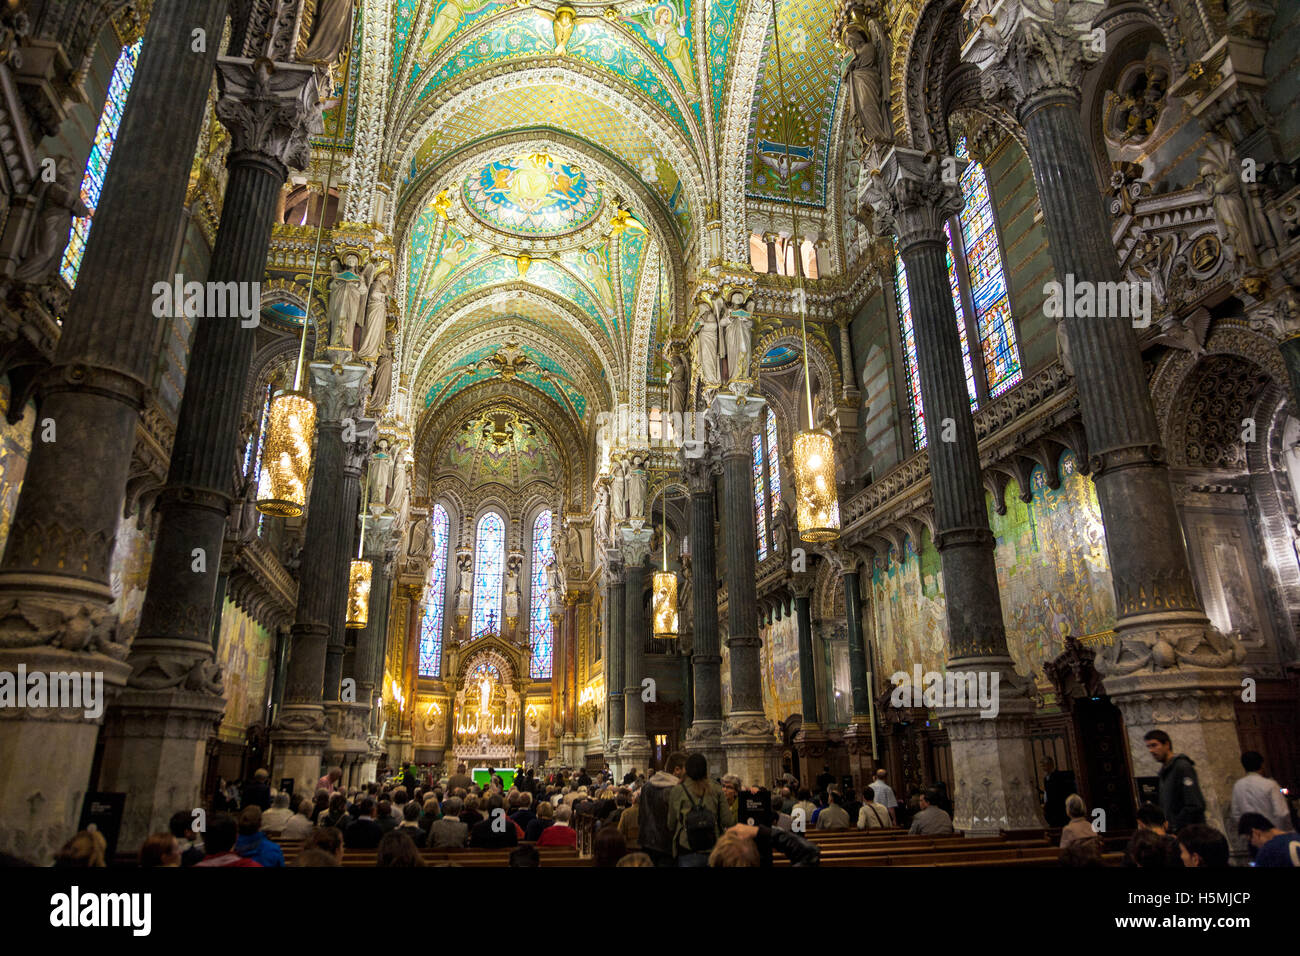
<point>500,445</point>
<point>623,105</point>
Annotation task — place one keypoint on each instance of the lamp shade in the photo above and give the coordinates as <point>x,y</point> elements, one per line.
<point>665,604</point>
<point>818,504</point>
<point>286,460</point>
<point>358,594</point>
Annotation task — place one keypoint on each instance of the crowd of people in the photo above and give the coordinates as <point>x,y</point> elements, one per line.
<point>680,816</point>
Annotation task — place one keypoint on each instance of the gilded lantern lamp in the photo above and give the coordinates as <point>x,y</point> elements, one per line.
<point>286,462</point>
<point>664,589</point>
<point>817,504</point>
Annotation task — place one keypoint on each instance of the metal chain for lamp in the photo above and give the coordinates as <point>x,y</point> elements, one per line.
<point>816,496</point>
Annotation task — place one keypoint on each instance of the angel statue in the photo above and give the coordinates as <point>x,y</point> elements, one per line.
<point>710,364</point>
<point>347,292</point>
<point>59,203</point>
<point>564,21</point>
<point>372,331</point>
<point>866,77</point>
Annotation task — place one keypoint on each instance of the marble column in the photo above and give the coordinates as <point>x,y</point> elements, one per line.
<point>857,736</point>
<point>54,579</point>
<point>300,733</point>
<point>155,736</point>
<point>570,748</point>
<point>991,758</point>
<point>1169,668</point>
<point>705,733</point>
<point>634,751</point>
<point>810,742</point>
<point>357,441</point>
<point>748,738</point>
<point>617,591</point>
<point>376,548</point>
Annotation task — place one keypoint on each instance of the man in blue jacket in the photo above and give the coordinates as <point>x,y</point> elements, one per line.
<point>253,844</point>
<point>1180,793</point>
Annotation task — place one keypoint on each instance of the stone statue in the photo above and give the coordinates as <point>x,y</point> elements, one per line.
<point>380,475</point>
<point>618,493</point>
<point>600,518</point>
<point>573,545</point>
<point>1219,172</point>
<point>738,328</point>
<point>372,332</point>
<point>512,588</point>
<point>347,292</point>
<point>397,494</point>
<point>60,202</point>
<point>710,363</point>
<point>866,77</point>
<point>420,544</point>
<point>555,585</point>
<point>381,386</point>
<point>636,488</point>
<point>679,380</point>
<point>329,31</point>
<point>465,583</point>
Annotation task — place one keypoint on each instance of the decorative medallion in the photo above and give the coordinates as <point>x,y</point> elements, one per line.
<point>533,194</point>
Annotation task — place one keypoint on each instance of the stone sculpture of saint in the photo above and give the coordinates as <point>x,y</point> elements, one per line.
<point>60,203</point>
<point>573,545</point>
<point>600,518</point>
<point>710,362</point>
<point>372,331</point>
<point>380,475</point>
<point>866,76</point>
<point>636,489</point>
<point>420,543</point>
<point>382,384</point>
<point>618,493</point>
<point>679,380</point>
<point>1220,174</point>
<point>329,31</point>
<point>397,492</point>
<point>738,328</point>
<point>347,293</point>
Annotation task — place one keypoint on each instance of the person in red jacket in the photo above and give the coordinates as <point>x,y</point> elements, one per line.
<point>561,833</point>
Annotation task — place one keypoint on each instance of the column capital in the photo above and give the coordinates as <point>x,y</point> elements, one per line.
<point>803,584</point>
<point>357,452</point>
<point>270,108</point>
<point>337,390</point>
<point>1031,50</point>
<point>699,475</point>
<point>733,419</point>
<point>612,575</point>
<point>379,536</point>
<point>636,546</point>
<point>914,194</point>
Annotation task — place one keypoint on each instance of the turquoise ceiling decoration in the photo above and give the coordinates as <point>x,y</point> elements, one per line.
<point>514,360</point>
<point>779,357</point>
<point>534,195</point>
<point>811,68</point>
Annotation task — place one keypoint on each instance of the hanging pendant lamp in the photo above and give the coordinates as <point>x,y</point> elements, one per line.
<point>664,589</point>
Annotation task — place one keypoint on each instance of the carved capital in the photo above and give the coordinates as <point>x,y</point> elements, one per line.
<point>914,194</point>
<point>699,476</point>
<point>1028,50</point>
<point>270,109</point>
<point>733,421</point>
<point>379,541</point>
<point>337,390</point>
<point>636,546</point>
<point>357,452</point>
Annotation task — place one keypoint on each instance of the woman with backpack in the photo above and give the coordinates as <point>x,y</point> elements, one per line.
<point>697,814</point>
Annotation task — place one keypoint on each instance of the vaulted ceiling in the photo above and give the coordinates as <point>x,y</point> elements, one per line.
<point>558,172</point>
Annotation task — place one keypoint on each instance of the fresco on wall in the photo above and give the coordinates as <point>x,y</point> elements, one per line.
<point>244,652</point>
<point>1053,570</point>
<point>129,576</point>
<point>779,660</point>
<point>15,449</point>
<point>908,609</point>
<point>1053,577</point>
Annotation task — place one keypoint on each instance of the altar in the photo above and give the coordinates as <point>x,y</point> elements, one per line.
<point>488,713</point>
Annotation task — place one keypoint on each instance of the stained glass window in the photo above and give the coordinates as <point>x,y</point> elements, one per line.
<point>253,453</point>
<point>760,515</point>
<point>909,350</point>
<point>541,629</point>
<point>988,283</point>
<point>489,566</point>
<point>101,151</point>
<point>436,598</point>
<point>773,465</point>
<point>960,310</point>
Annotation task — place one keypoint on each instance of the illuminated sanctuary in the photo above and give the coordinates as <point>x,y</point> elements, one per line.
<point>567,384</point>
